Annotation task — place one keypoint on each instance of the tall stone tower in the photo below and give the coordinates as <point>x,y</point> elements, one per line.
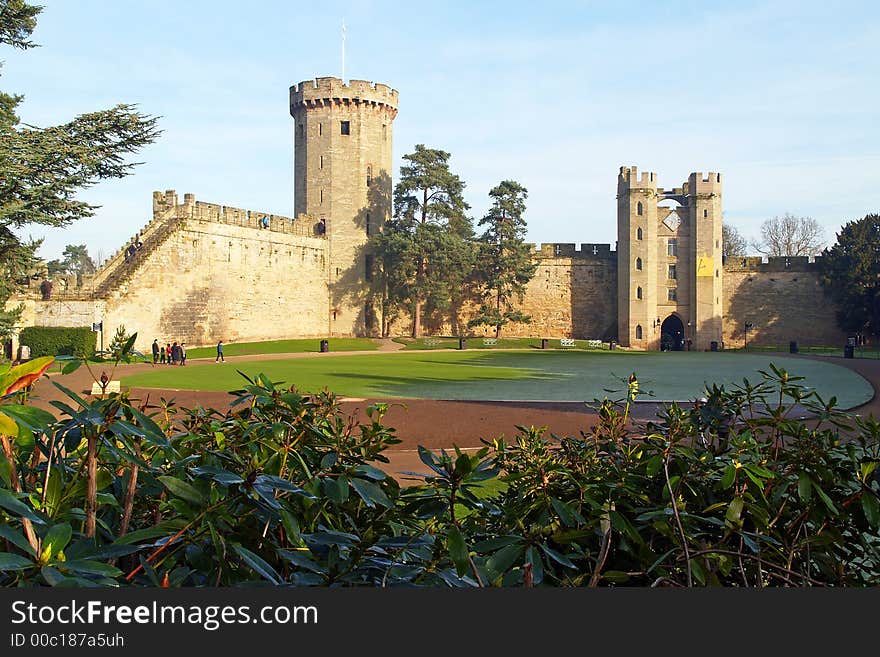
<point>342,179</point>
<point>669,262</point>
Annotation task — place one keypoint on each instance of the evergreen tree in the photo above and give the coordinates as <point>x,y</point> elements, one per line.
<point>424,251</point>
<point>41,169</point>
<point>851,275</point>
<point>506,264</point>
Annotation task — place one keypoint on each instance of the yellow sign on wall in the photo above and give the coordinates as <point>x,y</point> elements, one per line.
<point>704,266</point>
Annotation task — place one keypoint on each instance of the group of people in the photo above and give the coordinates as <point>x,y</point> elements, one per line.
<point>169,354</point>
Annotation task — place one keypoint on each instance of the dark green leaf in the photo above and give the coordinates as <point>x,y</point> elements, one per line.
<point>497,543</point>
<point>258,564</point>
<point>458,550</point>
<point>558,558</point>
<point>71,367</point>
<point>567,513</point>
<point>500,562</point>
<point>871,509</point>
<point>9,561</point>
<point>370,493</point>
<point>615,576</point>
<point>88,567</point>
<point>370,472</point>
<point>301,559</point>
<point>805,487</point>
<point>825,499</point>
<point>11,503</point>
<point>282,484</point>
<point>16,538</point>
<point>729,477</point>
<point>183,490</point>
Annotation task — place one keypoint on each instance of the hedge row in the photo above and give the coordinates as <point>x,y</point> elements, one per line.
<point>58,340</point>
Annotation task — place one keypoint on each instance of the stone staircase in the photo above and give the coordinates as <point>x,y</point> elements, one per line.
<point>119,269</point>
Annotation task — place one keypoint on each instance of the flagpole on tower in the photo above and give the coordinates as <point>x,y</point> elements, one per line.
<point>343,51</point>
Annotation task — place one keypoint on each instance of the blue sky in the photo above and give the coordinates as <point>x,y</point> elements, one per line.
<point>781,97</point>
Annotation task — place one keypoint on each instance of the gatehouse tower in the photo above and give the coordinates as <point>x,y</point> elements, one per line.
<point>342,180</point>
<point>669,263</point>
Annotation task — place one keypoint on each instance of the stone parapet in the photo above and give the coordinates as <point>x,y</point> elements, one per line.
<point>571,250</point>
<point>771,264</point>
<point>328,91</point>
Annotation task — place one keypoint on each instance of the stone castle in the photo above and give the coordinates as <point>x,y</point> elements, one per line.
<point>204,272</point>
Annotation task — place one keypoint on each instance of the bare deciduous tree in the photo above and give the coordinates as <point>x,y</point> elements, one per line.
<point>732,242</point>
<point>790,236</point>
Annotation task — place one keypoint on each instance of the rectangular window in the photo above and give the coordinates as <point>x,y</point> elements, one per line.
<point>369,228</point>
<point>671,274</point>
<point>322,196</point>
<point>320,129</point>
<point>672,247</point>
<point>321,163</point>
<point>670,294</point>
<point>368,267</point>
<point>345,127</point>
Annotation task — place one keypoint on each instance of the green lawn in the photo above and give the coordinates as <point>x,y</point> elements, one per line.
<point>283,347</point>
<point>524,375</point>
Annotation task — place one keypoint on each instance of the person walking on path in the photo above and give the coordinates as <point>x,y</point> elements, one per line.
<point>168,353</point>
<point>155,351</point>
<point>175,353</point>
<point>183,353</point>
<point>162,355</point>
<point>220,358</point>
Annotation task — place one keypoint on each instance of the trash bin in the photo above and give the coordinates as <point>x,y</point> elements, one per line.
<point>713,346</point>
<point>325,346</point>
<point>848,351</point>
<point>462,343</point>
<point>793,347</point>
<point>544,343</point>
<point>611,345</point>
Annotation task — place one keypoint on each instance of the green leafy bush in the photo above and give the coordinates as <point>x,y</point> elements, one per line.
<point>58,340</point>
<point>286,489</point>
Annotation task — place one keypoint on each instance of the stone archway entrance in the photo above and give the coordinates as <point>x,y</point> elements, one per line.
<point>671,334</point>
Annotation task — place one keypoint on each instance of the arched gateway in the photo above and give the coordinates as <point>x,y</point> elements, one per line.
<point>672,334</point>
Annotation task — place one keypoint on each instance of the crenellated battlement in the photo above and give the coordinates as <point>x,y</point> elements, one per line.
<point>571,250</point>
<point>772,264</point>
<point>322,92</point>
<point>698,184</point>
<point>628,178</point>
<point>304,225</point>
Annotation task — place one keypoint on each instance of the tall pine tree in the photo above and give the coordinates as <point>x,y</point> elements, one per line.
<point>505,262</point>
<point>424,249</point>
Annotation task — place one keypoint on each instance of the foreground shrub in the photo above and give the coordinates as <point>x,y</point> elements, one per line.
<point>285,489</point>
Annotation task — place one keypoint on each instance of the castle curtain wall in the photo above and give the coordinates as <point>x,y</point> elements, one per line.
<point>782,299</point>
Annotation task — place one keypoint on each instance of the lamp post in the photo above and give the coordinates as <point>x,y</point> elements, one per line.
<point>747,326</point>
